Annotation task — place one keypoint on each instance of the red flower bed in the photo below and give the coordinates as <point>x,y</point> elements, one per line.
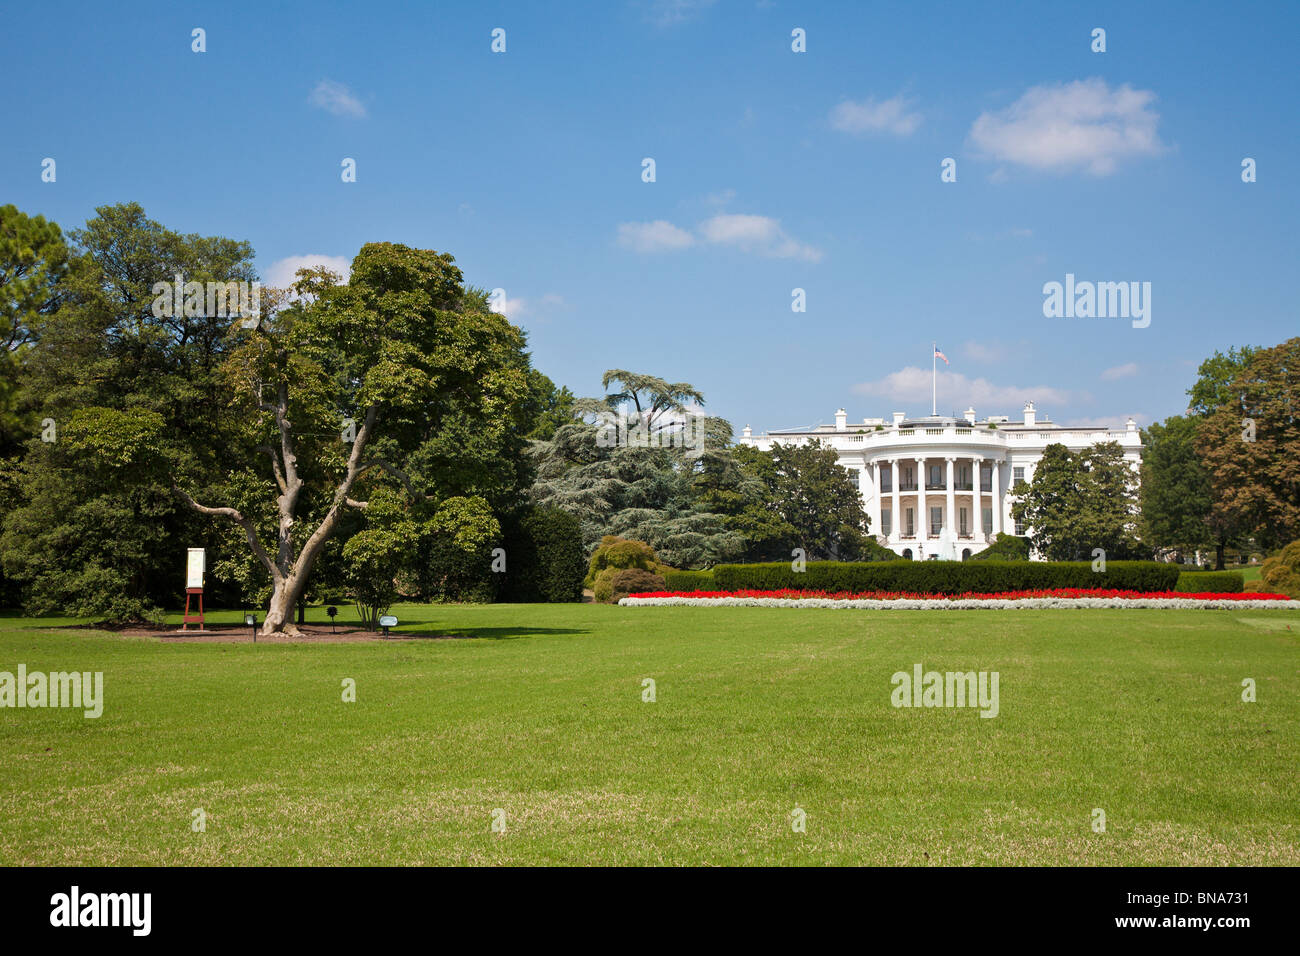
<point>968,596</point>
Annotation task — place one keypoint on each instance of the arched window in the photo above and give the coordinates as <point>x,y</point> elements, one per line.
<point>965,554</point>
<point>907,553</point>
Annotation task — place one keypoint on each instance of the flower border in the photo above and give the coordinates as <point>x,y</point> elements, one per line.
<point>1006,600</point>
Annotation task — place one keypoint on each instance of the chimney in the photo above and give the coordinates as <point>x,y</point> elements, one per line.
<point>898,419</point>
<point>970,415</point>
<point>841,420</point>
<point>1029,414</point>
<point>1132,425</point>
<point>748,432</point>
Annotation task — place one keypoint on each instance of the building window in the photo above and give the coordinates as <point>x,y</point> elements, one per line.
<point>885,522</point>
<point>886,478</point>
<point>1017,473</point>
<point>936,478</point>
<point>1020,527</point>
<point>961,521</point>
<point>909,522</point>
<point>986,479</point>
<point>936,521</point>
<point>988,520</point>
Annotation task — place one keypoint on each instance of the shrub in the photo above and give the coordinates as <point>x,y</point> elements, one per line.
<point>1007,547</point>
<point>1210,582</point>
<point>1282,571</point>
<point>689,581</point>
<point>620,553</point>
<point>947,577</point>
<point>545,559</point>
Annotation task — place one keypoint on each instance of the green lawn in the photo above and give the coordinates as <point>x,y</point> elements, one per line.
<point>539,712</point>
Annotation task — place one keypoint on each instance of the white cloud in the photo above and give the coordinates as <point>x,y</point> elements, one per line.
<point>870,116</point>
<point>281,273</point>
<point>337,99</point>
<point>760,235</point>
<point>1084,124</point>
<point>654,236</point>
<point>912,384</point>
<point>1120,371</point>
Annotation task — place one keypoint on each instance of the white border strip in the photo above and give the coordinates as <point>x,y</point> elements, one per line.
<point>963,604</point>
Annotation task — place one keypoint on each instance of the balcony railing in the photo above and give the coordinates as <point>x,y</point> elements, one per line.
<point>930,486</point>
<point>907,486</point>
<point>986,486</point>
<point>962,486</point>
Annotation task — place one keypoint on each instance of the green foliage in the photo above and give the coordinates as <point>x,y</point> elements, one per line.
<point>454,555</point>
<point>946,577</point>
<point>33,261</point>
<point>1250,445</point>
<point>1007,547</point>
<point>1080,502</point>
<point>545,559</point>
<point>653,493</point>
<point>1216,381</point>
<point>1175,491</point>
<point>1210,582</point>
<point>95,519</point>
<point>816,497</point>
<point>689,581</point>
<point>618,553</point>
<point>377,555</point>
<point>1281,572</point>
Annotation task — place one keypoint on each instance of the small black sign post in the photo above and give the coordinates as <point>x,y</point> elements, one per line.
<point>251,621</point>
<point>332,611</point>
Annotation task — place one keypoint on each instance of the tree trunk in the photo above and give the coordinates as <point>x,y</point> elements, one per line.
<point>284,597</point>
<point>1218,553</point>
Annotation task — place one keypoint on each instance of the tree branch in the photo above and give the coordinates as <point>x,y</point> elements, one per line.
<point>238,519</point>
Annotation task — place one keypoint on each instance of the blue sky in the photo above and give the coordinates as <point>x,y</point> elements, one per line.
<point>774,170</point>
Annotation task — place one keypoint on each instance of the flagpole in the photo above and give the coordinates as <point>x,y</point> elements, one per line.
<point>934,379</point>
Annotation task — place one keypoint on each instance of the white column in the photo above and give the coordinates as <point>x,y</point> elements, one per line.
<point>895,527</point>
<point>875,501</point>
<point>996,501</point>
<point>950,504</point>
<point>920,527</point>
<point>976,524</point>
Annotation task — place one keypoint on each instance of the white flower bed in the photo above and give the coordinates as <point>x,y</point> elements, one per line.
<point>966,604</point>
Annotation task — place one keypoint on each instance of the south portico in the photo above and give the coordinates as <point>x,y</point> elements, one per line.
<point>928,506</point>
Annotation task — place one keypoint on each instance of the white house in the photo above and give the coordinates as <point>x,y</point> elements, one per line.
<point>940,487</point>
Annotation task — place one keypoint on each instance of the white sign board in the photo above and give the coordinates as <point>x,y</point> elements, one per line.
<point>194,568</point>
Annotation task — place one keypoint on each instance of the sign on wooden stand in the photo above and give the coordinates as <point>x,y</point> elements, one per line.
<point>193,586</point>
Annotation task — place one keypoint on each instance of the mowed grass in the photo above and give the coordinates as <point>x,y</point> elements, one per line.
<point>537,711</point>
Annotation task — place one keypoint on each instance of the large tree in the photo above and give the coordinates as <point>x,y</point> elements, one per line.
<point>398,379</point>
<point>1078,502</point>
<point>107,372</point>
<point>819,500</point>
<point>1175,491</point>
<point>628,463</point>
<point>1250,443</point>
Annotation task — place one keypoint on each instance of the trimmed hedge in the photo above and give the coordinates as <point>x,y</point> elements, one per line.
<point>1210,582</point>
<point>545,558</point>
<point>690,581</point>
<point>947,577</point>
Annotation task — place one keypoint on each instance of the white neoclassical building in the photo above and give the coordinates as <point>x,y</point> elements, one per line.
<point>938,487</point>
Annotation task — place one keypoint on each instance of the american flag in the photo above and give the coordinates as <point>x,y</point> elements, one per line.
<point>938,354</point>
